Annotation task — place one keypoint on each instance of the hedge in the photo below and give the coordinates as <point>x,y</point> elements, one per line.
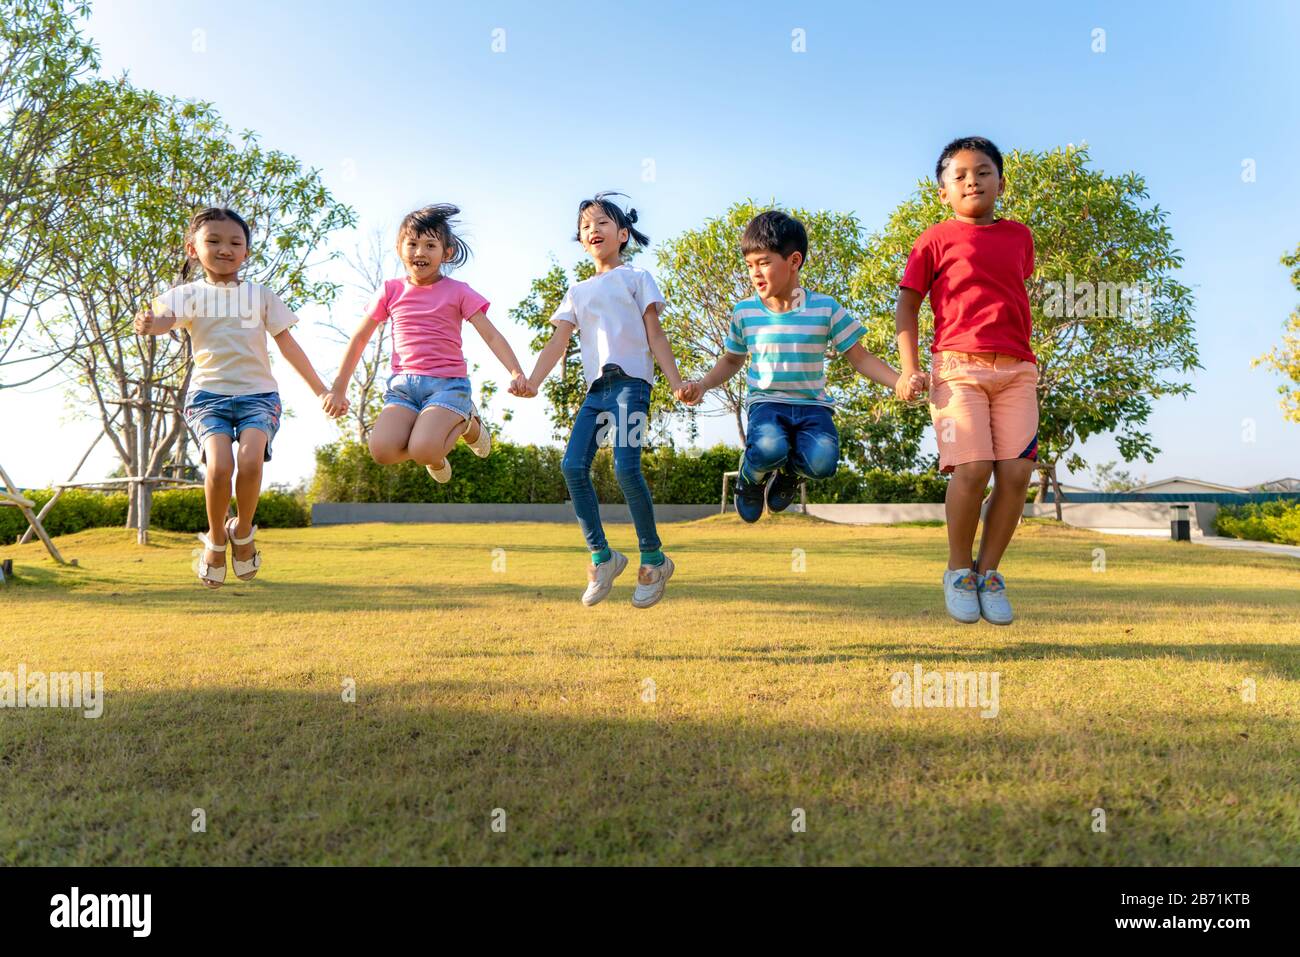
<point>1276,521</point>
<point>175,510</point>
<point>345,472</point>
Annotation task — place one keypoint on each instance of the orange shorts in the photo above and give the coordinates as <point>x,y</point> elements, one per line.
<point>984,406</point>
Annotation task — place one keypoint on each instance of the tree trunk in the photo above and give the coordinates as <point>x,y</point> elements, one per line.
<point>1043,480</point>
<point>740,425</point>
<point>1057,496</point>
<point>145,492</point>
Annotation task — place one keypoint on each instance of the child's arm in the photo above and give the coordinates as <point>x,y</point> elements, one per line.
<point>149,324</point>
<point>551,353</point>
<point>906,327</point>
<point>871,366</point>
<point>659,347</point>
<point>290,349</point>
<point>728,364</point>
<point>500,348</point>
<point>356,348</point>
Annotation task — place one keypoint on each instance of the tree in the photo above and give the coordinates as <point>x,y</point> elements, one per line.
<point>43,108</point>
<point>1108,477</point>
<point>703,275</point>
<point>1113,328</point>
<point>122,241</point>
<point>1285,358</point>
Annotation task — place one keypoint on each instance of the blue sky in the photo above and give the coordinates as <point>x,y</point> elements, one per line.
<point>401,104</point>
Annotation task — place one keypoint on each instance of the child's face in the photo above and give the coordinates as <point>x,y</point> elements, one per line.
<point>773,274</point>
<point>219,247</point>
<point>423,255</point>
<point>971,184</point>
<point>600,235</point>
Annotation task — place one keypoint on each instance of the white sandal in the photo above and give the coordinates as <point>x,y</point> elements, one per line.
<point>483,444</point>
<point>244,570</point>
<point>210,575</point>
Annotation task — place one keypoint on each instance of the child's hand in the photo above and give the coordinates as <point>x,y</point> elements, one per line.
<point>521,387</point>
<point>334,403</point>
<point>909,386</point>
<point>146,323</point>
<point>689,392</point>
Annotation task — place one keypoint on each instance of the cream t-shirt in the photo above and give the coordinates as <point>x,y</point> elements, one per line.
<point>228,325</point>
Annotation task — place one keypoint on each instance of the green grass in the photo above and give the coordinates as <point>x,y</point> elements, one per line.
<point>480,689</point>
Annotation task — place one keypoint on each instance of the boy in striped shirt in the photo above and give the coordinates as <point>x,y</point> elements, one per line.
<point>785,331</point>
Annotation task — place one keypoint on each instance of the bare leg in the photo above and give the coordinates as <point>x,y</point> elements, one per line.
<point>1007,504</point>
<point>434,434</point>
<point>220,467</point>
<point>392,432</point>
<point>248,487</point>
<point>962,508</point>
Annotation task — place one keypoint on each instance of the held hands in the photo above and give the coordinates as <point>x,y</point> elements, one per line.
<point>911,386</point>
<point>689,392</point>
<point>521,387</point>
<point>334,403</point>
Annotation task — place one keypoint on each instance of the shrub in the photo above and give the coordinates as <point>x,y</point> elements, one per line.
<point>1276,521</point>
<point>75,510</point>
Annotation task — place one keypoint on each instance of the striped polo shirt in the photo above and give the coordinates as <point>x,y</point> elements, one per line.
<point>787,350</point>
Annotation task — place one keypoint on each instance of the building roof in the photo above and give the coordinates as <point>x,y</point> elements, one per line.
<point>1179,479</point>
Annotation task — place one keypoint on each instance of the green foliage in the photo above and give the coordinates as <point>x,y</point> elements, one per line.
<point>1276,521</point>
<point>703,275</point>
<point>1097,373</point>
<point>1285,358</point>
<point>564,388</point>
<point>345,472</point>
<point>174,510</point>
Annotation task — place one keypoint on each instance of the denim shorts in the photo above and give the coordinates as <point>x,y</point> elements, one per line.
<point>208,413</point>
<point>419,392</point>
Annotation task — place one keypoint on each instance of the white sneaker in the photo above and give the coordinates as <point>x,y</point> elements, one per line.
<point>650,583</point>
<point>600,578</point>
<point>442,475</point>
<point>961,595</point>
<point>483,444</point>
<point>994,604</point>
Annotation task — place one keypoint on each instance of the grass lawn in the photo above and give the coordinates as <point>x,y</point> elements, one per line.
<point>482,683</point>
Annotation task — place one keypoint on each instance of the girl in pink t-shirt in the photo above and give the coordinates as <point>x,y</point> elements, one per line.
<point>427,406</point>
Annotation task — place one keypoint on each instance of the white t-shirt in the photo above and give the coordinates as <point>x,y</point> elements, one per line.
<point>228,325</point>
<point>608,311</point>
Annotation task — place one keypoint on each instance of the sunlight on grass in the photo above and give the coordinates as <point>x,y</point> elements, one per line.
<point>686,733</point>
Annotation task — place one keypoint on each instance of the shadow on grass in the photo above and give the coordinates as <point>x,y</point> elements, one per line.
<point>412,774</point>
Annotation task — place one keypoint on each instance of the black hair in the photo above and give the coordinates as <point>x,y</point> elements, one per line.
<point>625,220</point>
<point>775,231</point>
<point>436,220</point>
<point>212,214</point>
<point>978,143</point>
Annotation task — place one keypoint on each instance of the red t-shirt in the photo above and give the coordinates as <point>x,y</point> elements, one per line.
<point>975,276</point>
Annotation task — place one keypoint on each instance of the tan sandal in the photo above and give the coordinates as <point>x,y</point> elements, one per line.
<point>210,575</point>
<point>244,570</point>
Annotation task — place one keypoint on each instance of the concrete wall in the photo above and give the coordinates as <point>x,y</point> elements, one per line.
<point>346,513</point>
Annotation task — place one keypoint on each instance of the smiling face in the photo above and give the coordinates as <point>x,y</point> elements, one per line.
<point>599,234</point>
<point>423,256</point>
<point>220,248</point>
<point>971,185</point>
<point>773,275</point>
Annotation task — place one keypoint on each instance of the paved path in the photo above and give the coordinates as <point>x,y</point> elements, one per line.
<point>1214,541</point>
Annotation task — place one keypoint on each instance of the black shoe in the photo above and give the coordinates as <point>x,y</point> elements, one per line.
<point>782,490</point>
<point>749,500</point>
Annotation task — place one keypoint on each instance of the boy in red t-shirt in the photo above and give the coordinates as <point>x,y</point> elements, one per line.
<point>984,378</point>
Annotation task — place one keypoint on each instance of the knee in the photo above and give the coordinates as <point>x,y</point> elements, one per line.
<point>821,459</point>
<point>220,470</point>
<point>382,452</point>
<point>575,471</point>
<point>250,461</point>
<point>767,450</point>
<point>972,475</point>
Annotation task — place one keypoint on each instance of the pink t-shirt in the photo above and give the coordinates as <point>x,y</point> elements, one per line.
<point>426,324</point>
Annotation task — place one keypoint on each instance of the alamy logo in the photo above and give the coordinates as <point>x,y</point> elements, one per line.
<point>83,690</point>
<point>243,302</point>
<point>103,910</point>
<point>946,689</point>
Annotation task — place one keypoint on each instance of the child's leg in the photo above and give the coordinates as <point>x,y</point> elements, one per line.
<point>248,487</point>
<point>816,447</point>
<point>392,432</point>
<point>1007,504</point>
<point>767,446</point>
<point>434,434</point>
<point>219,468</point>
<point>634,407</point>
<point>576,466</point>
<point>962,509</point>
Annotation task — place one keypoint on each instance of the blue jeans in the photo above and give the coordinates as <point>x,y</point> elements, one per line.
<point>617,404</point>
<point>209,413</point>
<point>802,438</point>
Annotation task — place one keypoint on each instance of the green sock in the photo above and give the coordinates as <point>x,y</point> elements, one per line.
<point>602,556</point>
<point>652,558</point>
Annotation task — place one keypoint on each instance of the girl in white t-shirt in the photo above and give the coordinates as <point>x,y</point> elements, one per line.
<point>616,316</point>
<point>232,397</point>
